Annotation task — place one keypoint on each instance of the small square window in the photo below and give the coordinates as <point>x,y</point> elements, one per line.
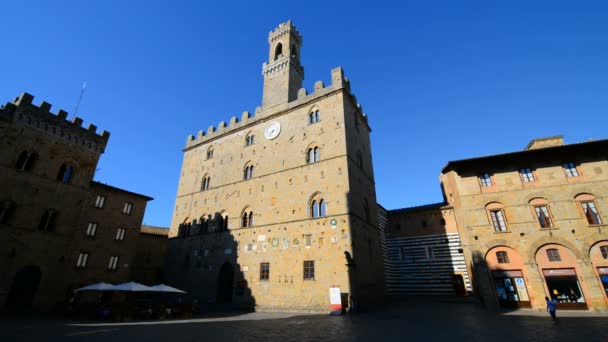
<point>526,175</point>
<point>604,250</point>
<point>570,170</point>
<point>127,208</point>
<point>553,255</point>
<point>100,201</point>
<point>486,180</point>
<point>502,257</point>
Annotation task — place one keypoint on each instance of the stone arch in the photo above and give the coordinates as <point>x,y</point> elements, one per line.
<point>539,243</point>
<point>317,205</point>
<point>278,50</point>
<point>509,275</point>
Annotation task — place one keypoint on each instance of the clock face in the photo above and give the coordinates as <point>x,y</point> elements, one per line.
<point>272,130</point>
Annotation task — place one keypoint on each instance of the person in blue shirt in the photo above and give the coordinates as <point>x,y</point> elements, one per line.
<point>552,307</point>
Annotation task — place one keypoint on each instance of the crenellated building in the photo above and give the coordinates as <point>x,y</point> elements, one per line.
<point>275,208</point>
<point>60,228</point>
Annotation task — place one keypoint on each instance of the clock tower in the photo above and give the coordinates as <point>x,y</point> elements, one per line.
<point>283,73</point>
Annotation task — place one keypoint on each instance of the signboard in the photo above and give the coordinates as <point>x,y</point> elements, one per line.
<point>602,270</point>
<point>521,289</point>
<point>507,274</point>
<point>559,272</point>
<point>335,301</point>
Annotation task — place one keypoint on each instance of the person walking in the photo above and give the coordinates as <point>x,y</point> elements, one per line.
<point>552,307</point>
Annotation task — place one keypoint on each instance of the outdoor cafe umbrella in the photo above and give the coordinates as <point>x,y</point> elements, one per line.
<point>131,286</point>
<point>166,288</point>
<point>96,287</point>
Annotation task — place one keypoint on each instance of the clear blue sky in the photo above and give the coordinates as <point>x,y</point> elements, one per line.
<point>439,82</point>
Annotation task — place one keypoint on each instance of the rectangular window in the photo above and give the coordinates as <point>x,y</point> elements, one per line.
<point>542,213</point>
<point>309,270</point>
<point>526,175</point>
<point>120,234</point>
<point>91,229</point>
<point>127,208</point>
<point>486,180</point>
<point>264,271</point>
<point>502,257</point>
<point>81,262</point>
<point>593,217</point>
<point>308,240</point>
<point>553,255</point>
<point>570,170</point>
<point>113,264</point>
<point>100,201</point>
<point>498,220</point>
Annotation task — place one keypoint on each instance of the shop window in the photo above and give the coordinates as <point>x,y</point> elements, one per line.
<point>309,270</point>
<point>604,250</point>
<point>570,170</point>
<point>502,257</point>
<point>264,271</point>
<point>553,255</point>
<point>486,180</point>
<point>526,175</point>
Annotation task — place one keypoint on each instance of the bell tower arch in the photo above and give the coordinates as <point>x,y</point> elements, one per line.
<point>283,73</point>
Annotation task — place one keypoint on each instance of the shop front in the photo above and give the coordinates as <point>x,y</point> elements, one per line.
<point>603,273</point>
<point>564,287</point>
<point>511,289</point>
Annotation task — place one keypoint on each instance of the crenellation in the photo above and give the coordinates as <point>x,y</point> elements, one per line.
<point>62,114</point>
<point>210,130</point>
<point>233,121</point>
<point>77,122</point>
<point>92,128</point>
<point>221,126</point>
<point>45,106</point>
<point>302,93</point>
<point>245,116</point>
<point>319,86</point>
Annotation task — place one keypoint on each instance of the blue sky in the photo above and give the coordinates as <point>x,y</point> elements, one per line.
<point>439,81</point>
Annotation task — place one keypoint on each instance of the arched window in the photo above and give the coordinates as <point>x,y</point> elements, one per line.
<point>542,212</point>
<point>26,160</point>
<point>496,214</point>
<point>313,155</point>
<point>249,140</point>
<point>589,208</point>
<point>314,116</point>
<point>66,172</point>
<point>247,218</point>
<point>294,51</point>
<point>318,206</point>
<point>278,51</point>
<point>47,221</point>
<point>248,172</point>
<point>502,257</point>
<point>206,183</point>
<point>210,153</point>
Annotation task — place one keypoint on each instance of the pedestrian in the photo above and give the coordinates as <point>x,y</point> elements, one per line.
<point>552,307</point>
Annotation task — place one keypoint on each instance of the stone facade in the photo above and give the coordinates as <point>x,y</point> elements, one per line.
<point>533,223</point>
<point>49,211</point>
<point>247,190</point>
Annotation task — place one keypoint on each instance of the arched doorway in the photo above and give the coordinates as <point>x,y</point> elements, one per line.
<point>23,289</point>
<point>225,281</point>
<point>510,281</point>
<point>599,258</point>
<point>558,266</point>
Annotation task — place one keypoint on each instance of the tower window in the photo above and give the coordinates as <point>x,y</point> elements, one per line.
<point>278,51</point>
<point>248,172</point>
<point>294,51</point>
<point>210,153</point>
<point>247,219</point>
<point>318,207</point>
<point>250,140</point>
<point>206,183</point>
<point>314,117</point>
<point>313,155</point>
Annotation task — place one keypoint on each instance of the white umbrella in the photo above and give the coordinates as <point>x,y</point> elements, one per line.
<point>166,288</point>
<point>132,286</point>
<point>96,287</point>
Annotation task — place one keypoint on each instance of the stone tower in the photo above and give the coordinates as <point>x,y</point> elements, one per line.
<point>274,209</point>
<point>283,73</point>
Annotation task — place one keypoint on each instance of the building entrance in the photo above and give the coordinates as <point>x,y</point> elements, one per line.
<point>225,281</point>
<point>511,289</point>
<point>564,287</point>
<point>23,289</point>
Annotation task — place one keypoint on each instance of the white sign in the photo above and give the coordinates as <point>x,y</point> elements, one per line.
<point>261,238</point>
<point>334,296</point>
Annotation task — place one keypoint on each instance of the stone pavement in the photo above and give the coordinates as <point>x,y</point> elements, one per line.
<point>413,321</point>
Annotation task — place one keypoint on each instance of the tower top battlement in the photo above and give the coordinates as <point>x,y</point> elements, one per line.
<point>284,29</point>
<point>22,111</point>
